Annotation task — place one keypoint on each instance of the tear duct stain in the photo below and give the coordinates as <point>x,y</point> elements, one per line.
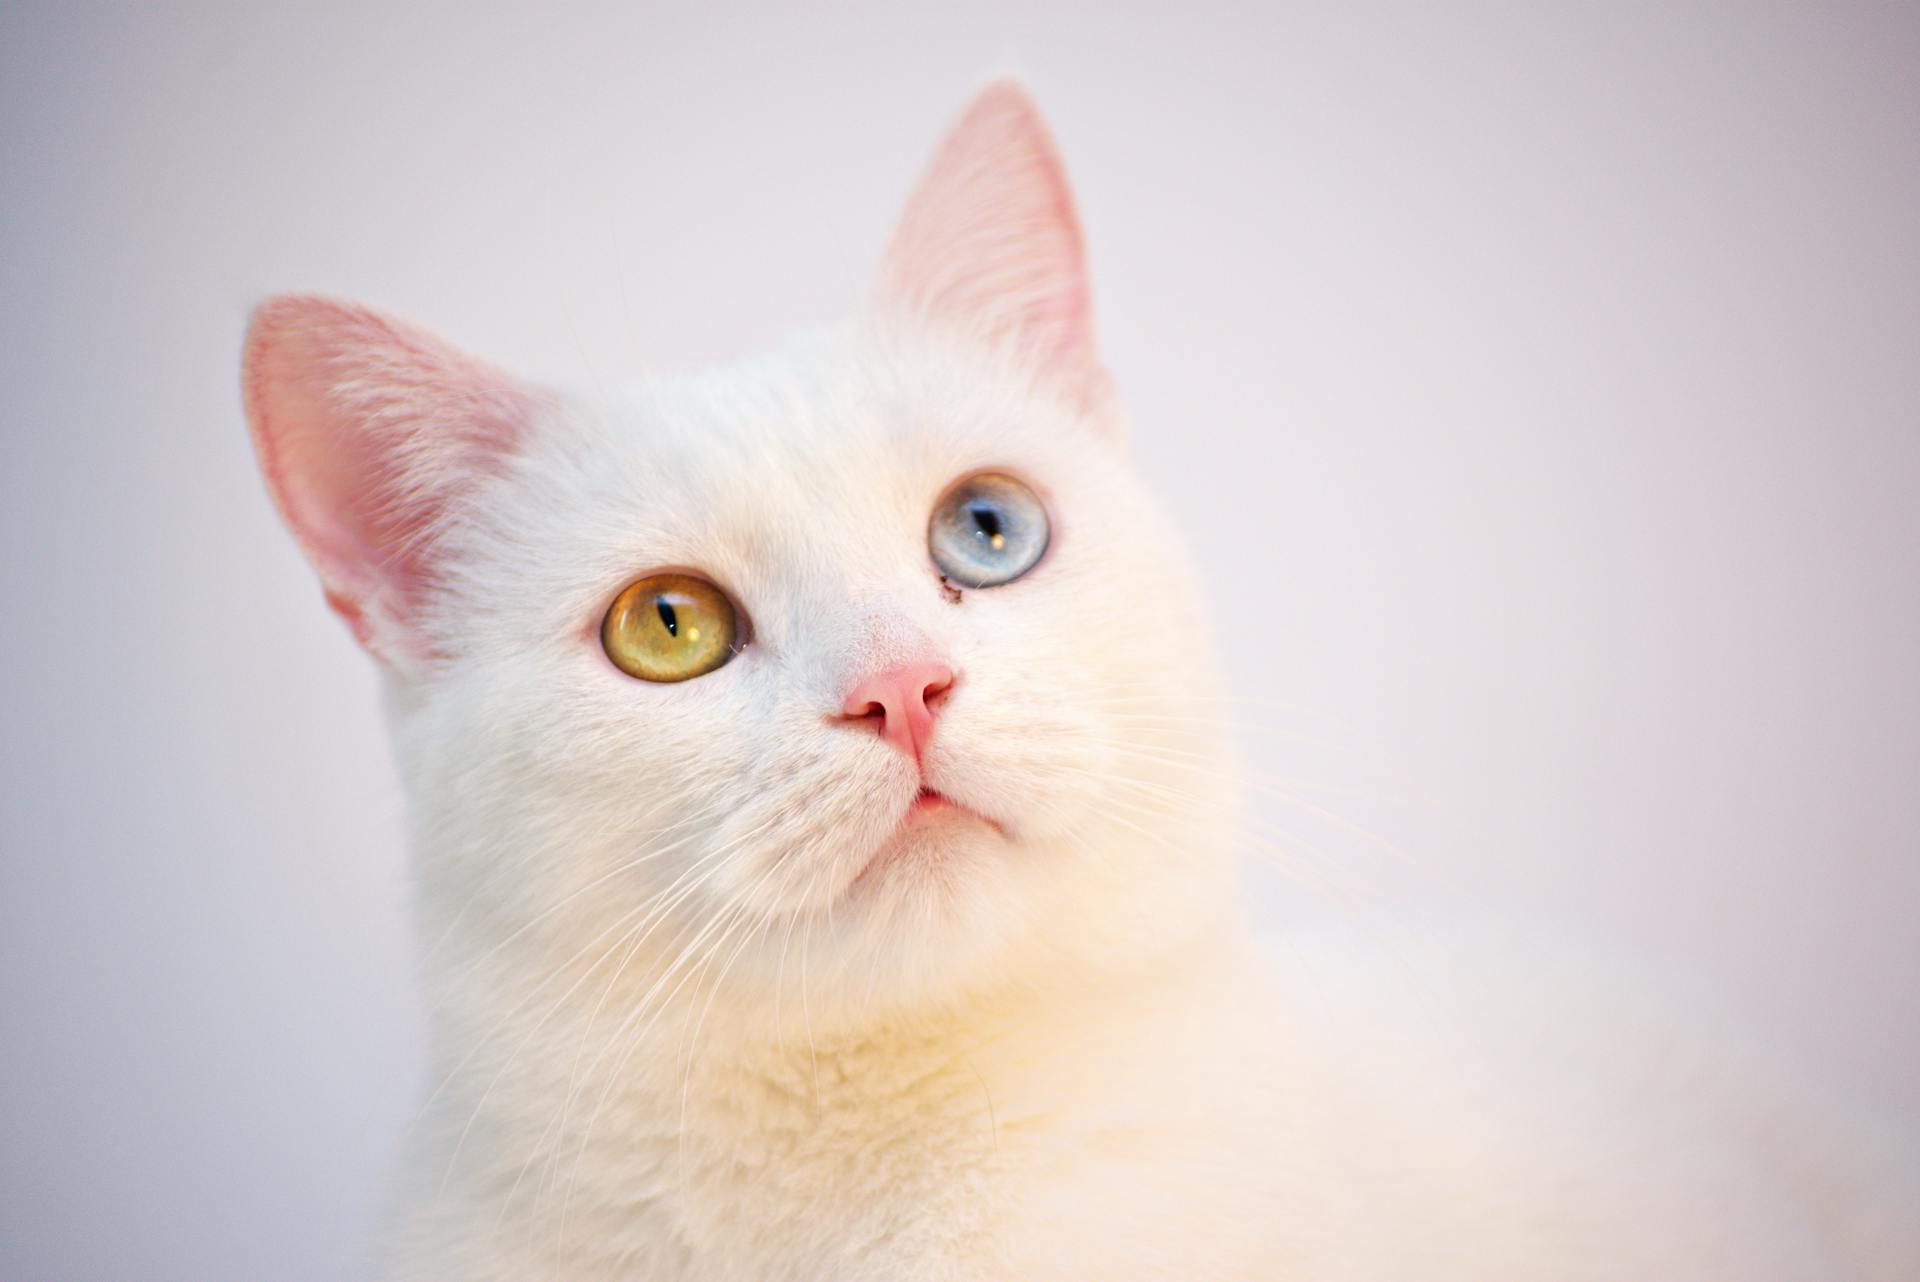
<point>949,591</point>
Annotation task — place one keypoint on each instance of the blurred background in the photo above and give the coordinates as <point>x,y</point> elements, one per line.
<point>1540,387</point>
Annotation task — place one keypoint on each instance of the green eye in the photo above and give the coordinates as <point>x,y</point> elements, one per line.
<point>669,627</point>
<point>987,530</point>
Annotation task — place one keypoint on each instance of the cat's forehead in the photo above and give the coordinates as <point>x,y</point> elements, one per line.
<point>809,471</point>
<point>831,432</point>
<point>836,407</point>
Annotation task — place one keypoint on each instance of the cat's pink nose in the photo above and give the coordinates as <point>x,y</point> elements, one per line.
<point>900,698</point>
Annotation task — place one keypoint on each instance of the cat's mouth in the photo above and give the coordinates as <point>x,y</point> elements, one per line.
<point>916,840</point>
<point>930,804</point>
<point>928,800</point>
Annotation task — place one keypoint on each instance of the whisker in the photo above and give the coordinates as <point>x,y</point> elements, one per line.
<point>637,910</point>
<point>653,909</point>
<point>617,870</point>
<point>1285,860</point>
<point>713,990</point>
<point>725,911</point>
<point>1277,791</point>
<point>504,868</point>
<point>707,867</point>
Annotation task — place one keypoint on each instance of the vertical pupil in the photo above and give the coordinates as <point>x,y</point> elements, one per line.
<point>986,518</point>
<point>667,616</point>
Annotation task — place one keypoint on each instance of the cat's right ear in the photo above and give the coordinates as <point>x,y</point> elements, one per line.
<point>367,430</point>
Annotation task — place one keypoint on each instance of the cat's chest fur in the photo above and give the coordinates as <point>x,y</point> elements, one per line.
<point>1343,1119</point>
<point>1031,1141</point>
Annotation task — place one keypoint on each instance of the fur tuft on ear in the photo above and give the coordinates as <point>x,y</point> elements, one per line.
<point>366,430</point>
<point>990,243</point>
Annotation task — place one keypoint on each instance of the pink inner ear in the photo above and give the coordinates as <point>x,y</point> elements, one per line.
<point>366,428</point>
<point>989,240</point>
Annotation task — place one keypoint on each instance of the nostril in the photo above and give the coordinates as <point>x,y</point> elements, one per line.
<point>860,707</point>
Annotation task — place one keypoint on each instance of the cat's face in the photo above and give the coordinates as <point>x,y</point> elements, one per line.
<point>901,784</point>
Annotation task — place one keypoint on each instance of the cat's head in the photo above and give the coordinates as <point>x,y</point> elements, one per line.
<point>868,660</point>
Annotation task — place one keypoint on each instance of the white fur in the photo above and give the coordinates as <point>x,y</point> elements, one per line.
<point>1056,1057</point>
<point>670,1042</point>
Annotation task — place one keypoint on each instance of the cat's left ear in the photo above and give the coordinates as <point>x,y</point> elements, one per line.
<point>990,245</point>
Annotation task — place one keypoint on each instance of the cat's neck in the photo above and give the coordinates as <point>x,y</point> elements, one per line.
<point>648,1002</point>
<point>632,1107</point>
<point>595,1106</point>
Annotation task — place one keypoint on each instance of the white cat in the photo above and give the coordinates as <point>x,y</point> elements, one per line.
<point>822,830</point>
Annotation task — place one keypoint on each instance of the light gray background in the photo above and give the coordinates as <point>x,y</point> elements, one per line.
<point>1541,390</point>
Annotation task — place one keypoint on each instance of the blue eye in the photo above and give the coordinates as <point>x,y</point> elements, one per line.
<point>987,530</point>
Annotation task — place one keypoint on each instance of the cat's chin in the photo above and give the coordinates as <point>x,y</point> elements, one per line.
<point>933,840</point>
